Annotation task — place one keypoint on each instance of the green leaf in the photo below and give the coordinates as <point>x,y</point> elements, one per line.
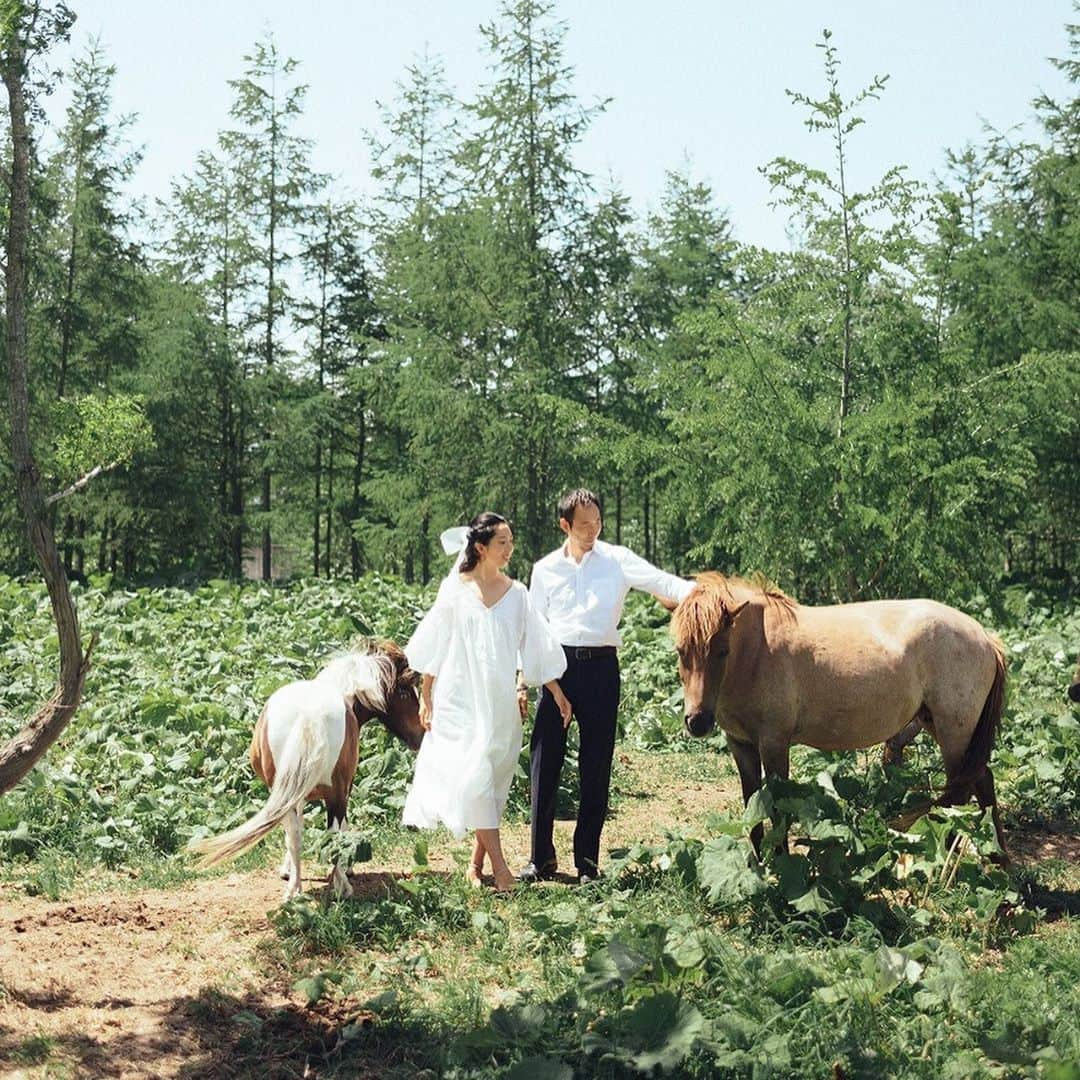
<point>726,873</point>
<point>539,1068</point>
<point>315,986</point>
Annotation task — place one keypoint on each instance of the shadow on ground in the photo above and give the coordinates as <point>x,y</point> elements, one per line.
<point>219,1036</point>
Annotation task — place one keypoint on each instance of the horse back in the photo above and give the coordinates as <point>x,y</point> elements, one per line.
<point>307,718</point>
<point>849,675</point>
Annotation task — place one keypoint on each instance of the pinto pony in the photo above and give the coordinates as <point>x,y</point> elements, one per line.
<point>772,673</point>
<point>306,746</point>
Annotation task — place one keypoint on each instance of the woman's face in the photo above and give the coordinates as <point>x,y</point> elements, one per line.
<point>499,550</point>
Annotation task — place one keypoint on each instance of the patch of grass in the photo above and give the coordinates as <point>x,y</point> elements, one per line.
<point>34,1050</point>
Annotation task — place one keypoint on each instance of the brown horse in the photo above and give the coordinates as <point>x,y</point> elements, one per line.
<point>306,747</point>
<point>772,673</point>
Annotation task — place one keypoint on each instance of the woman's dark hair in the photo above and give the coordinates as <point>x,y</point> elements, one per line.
<point>481,531</point>
<point>573,499</point>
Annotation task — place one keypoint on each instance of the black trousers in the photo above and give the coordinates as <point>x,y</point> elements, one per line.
<point>592,685</point>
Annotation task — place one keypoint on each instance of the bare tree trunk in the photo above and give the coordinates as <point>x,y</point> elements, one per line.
<point>355,509</point>
<point>316,539</point>
<point>425,549</point>
<point>22,752</point>
<point>329,507</point>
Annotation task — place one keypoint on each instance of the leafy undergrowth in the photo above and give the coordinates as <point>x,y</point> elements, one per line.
<point>159,750</point>
<point>864,949</point>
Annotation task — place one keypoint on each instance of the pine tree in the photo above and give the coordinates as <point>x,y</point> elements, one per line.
<point>275,185</point>
<point>86,324</point>
<point>210,244</point>
<point>527,213</point>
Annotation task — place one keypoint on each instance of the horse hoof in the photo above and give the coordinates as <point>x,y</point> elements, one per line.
<point>339,882</point>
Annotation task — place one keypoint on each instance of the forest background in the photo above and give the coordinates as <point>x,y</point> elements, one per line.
<point>269,379</point>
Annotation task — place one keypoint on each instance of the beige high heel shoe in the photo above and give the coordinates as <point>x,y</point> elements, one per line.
<point>474,874</point>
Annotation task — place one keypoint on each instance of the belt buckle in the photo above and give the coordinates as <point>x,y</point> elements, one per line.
<point>583,653</point>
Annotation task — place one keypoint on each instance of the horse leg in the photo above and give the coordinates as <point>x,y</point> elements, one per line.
<point>748,762</point>
<point>776,760</point>
<point>984,792</point>
<point>335,820</point>
<point>285,869</point>
<point>893,751</point>
<point>293,823</point>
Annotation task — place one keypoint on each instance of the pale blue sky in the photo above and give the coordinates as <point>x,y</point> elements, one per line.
<point>691,80</point>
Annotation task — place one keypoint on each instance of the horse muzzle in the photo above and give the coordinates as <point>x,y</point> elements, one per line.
<point>700,722</point>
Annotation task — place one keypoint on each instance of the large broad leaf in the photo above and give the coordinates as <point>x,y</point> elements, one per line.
<point>515,1024</point>
<point>659,1031</point>
<point>726,872</point>
<point>314,987</point>
<point>540,1068</point>
<point>895,966</point>
<point>613,965</point>
<point>683,944</point>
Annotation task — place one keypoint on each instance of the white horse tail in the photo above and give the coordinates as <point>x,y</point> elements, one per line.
<point>305,763</point>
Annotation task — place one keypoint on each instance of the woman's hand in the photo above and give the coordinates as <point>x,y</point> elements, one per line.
<point>523,701</point>
<point>426,683</point>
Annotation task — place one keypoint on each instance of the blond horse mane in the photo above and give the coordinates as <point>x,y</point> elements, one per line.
<point>368,671</point>
<point>700,615</point>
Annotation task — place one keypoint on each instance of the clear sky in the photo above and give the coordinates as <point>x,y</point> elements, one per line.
<point>692,81</point>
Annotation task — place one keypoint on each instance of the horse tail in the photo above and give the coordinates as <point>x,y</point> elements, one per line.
<point>301,770</point>
<point>977,756</point>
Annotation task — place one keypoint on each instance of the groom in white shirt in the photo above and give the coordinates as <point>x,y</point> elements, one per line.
<point>580,588</point>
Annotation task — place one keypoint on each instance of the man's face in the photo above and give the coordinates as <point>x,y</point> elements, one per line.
<point>584,529</point>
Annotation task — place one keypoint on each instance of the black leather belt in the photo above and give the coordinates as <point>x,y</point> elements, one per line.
<point>588,652</point>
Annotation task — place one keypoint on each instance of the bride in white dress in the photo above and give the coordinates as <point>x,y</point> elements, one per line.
<point>468,648</point>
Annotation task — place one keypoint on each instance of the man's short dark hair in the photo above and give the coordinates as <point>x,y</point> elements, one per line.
<point>569,503</point>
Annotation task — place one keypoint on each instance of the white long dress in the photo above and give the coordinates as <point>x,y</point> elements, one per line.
<point>466,761</point>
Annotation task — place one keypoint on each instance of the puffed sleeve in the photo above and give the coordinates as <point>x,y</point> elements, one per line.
<point>541,656</point>
<point>427,648</point>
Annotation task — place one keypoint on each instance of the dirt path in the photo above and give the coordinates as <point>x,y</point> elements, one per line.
<point>150,983</point>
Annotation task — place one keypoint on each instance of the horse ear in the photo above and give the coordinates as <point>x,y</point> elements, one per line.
<point>735,612</point>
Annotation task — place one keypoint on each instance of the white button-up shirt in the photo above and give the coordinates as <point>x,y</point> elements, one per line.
<point>584,600</point>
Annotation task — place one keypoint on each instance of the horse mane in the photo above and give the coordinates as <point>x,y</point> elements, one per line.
<point>368,671</point>
<point>699,616</point>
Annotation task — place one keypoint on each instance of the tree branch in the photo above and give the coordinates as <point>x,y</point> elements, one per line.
<point>80,483</point>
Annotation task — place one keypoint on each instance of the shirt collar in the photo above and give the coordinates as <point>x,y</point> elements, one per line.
<point>571,560</point>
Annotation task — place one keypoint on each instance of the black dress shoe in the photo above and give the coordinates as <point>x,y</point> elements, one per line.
<point>532,872</point>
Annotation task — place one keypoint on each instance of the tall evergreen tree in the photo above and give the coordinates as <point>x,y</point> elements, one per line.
<point>417,286</point>
<point>276,186</point>
<point>210,243</point>
<point>527,216</point>
<point>87,325</point>
<point>27,32</point>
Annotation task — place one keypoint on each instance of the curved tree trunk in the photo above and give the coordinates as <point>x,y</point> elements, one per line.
<point>20,754</point>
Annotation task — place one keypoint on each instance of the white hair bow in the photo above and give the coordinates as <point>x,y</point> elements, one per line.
<point>454,540</point>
